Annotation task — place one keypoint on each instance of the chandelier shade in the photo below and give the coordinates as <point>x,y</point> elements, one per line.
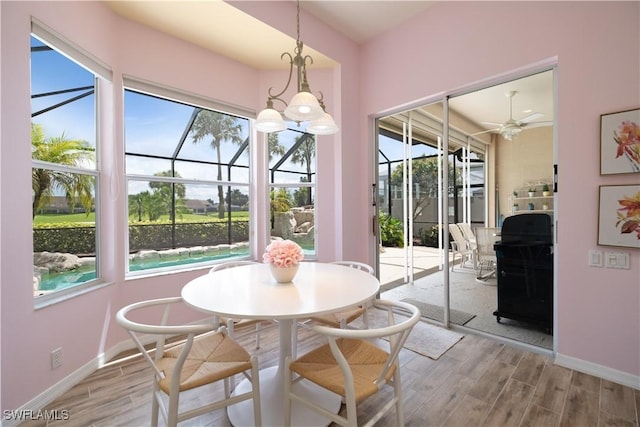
<point>323,126</point>
<point>304,106</point>
<point>269,120</point>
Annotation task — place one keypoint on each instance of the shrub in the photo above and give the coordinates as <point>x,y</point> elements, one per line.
<point>391,233</point>
<point>429,236</point>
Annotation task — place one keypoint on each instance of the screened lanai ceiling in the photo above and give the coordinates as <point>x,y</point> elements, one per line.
<point>474,115</point>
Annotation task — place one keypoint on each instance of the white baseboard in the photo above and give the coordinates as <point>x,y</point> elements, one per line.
<point>58,389</point>
<point>600,371</point>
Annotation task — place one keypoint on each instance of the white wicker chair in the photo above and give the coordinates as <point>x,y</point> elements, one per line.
<point>204,357</point>
<point>233,324</point>
<point>343,318</point>
<point>354,367</point>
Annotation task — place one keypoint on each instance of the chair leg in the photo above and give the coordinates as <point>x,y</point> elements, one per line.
<point>294,340</point>
<point>155,407</point>
<point>397,392</point>
<point>172,416</point>
<point>230,329</point>
<point>255,388</point>
<point>258,332</point>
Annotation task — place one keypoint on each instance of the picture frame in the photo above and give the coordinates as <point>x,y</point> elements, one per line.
<point>620,142</point>
<point>619,216</point>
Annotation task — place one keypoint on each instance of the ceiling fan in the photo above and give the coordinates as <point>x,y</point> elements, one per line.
<point>511,127</point>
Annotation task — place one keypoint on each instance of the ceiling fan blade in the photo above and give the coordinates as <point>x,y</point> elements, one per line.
<point>530,118</point>
<point>485,131</point>
<point>537,124</point>
<point>491,123</point>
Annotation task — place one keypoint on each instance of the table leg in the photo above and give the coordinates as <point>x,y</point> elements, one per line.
<point>272,394</point>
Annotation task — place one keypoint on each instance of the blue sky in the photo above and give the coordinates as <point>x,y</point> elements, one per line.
<point>152,126</point>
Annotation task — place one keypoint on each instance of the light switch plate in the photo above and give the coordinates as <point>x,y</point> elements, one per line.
<point>595,258</point>
<point>619,260</point>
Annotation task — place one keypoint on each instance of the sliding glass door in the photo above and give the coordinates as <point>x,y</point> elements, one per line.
<point>409,195</point>
<point>468,162</point>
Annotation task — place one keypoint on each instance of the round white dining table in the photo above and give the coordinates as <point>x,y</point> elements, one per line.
<point>250,292</point>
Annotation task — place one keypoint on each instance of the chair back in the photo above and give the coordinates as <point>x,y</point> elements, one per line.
<point>230,264</point>
<point>177,368</point>
<point>486,237</point>
<point>401,318</point>
<point>138,330</point>
<point>467,233</point>
<point>232,324</point>
<point>358,265</point>
<point>460,242</point>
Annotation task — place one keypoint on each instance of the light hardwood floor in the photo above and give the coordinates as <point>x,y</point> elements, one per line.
<point>478,382</point>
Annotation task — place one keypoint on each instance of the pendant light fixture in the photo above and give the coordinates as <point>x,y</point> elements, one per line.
<point>304,106</point>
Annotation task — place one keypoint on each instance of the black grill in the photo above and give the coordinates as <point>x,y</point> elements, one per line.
<point>525,269</point>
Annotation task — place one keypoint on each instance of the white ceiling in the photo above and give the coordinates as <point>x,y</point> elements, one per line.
<point>220,27</point>
<point>360,20</point>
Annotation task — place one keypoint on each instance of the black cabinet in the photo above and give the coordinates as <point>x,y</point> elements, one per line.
<point>525,271</point>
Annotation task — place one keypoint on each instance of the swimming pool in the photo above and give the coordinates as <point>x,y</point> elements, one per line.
<point>83,274</point>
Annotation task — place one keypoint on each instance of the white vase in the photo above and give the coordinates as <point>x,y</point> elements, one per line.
<point>284,274</point>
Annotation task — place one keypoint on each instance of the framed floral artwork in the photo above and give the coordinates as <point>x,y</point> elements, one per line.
<point>620,142</point>
<point>619,216</point>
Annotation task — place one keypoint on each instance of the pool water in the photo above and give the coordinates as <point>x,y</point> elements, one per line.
<point>66,279</point>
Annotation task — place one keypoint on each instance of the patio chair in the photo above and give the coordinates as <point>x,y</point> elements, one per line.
<point>233,324</point>
<point>470,237</point>
<point>355,367</point>
<point>486,254</point>
<point>459,246</point>
<point>206,356</point>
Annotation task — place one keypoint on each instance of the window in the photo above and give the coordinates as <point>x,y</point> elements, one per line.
<point>292,168</point>
<point>188,170</point>
<point>64,173</point>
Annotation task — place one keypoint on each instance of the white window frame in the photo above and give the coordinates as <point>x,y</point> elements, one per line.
<point>100,70</point>
<point>191,99</point>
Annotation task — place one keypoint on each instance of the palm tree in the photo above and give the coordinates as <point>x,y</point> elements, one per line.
<point>61,151</point>
<point>169,196</point>
<point>164,198</point>
<point>303,156</point>
<point>274,145</point>
<point>220,127</point>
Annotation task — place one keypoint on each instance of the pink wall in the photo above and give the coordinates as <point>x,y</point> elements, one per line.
<point>83,326</point>
<point>597,308</point>
<point>597,49</point>
<point>343,159</point>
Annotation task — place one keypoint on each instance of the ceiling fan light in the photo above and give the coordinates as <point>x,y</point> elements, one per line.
<point>323,126</point>
<point>270,120</point>
<point>510,132</point>
<point>304,107</point>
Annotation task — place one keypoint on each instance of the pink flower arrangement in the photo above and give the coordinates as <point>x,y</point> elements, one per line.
<point>283,253</point>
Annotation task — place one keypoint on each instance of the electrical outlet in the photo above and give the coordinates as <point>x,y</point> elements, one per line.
<point>56,358</point>
<point>619,260</point>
